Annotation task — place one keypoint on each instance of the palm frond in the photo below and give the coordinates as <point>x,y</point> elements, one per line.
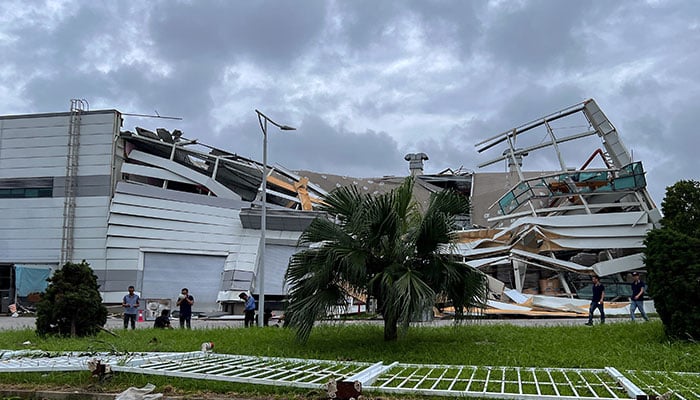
<point>313,305</point>
<point>403,198</point>
<point>434,231</point>
<point>468,293</point>
<point>448,202</point>
<point>342,201</point>
<point>321,229</point>
<point>411,295</point>
<point>437,225</point>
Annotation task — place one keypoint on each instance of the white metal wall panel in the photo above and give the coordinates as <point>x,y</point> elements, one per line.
<point>600,243</point>
<point>51,207</point>
<point>19,142</point>
<point>165,274</point>
<point>164,224</point>
<point>167,205</point>
<point>135,243</point>
<point>583,220</point>
<point>31,229</point>
<point>122,254</point>
<point>87,163</point>
<point>27,231</point>
<point>147,210</point>
<point>276,263</point>
<point>36,146</point>
<point>214,186</point>
<point>169,225</point>
<point>20,138</point>
<point>42,151</point>
<point>164,234</point>
<point>152,172</point>
<point>601,232</point>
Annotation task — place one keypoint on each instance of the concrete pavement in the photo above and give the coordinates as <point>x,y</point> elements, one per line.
<point>29,322</point>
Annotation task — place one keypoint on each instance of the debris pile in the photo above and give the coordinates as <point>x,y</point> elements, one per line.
<point>549,232</point>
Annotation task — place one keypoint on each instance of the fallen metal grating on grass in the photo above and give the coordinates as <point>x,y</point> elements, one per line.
<point>300,373</point>
<point>431,380</point>
<point>503,382</point>
<point>45,361</point>
<point>672,385</point>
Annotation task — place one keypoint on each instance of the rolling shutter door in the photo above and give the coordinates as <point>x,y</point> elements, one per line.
<point>165,274</point>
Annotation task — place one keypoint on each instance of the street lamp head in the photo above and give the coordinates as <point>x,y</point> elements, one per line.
<point>264,117</point>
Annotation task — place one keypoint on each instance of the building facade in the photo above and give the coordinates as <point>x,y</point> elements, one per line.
<point>142,209</point>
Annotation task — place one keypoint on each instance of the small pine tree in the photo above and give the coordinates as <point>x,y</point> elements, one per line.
<point>72,304</point>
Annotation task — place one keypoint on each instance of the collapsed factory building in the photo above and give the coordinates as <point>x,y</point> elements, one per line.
<point>154,209</point>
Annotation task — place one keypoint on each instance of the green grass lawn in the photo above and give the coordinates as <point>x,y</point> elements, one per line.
<point>640,346</point>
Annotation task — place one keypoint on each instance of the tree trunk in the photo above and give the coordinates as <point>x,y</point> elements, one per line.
<point>391,328</point>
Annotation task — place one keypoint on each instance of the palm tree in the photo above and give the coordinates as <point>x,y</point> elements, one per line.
<point>385,247</point>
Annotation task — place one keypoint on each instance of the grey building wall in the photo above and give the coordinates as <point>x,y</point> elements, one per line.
<point>33,152</point>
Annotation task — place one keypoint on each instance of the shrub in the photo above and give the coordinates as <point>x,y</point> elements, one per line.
<point>72,304</point>
<point>672,257</point>
<point>673,264</point>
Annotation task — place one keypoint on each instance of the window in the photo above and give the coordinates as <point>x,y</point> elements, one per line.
<point>23,188</point>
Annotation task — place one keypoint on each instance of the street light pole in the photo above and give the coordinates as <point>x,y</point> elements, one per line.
<point>263,120</point>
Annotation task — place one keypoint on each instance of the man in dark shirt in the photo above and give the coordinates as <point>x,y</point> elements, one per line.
<point>163,321</point>
<point>637,299</point>
<point>597,301</point>
<point>185,302</point>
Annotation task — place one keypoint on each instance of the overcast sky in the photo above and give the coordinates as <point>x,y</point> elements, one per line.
<point>366,82</point>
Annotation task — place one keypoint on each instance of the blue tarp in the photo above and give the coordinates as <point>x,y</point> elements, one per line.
<point>32,278</point>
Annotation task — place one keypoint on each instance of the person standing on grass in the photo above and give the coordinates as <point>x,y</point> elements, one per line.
<point>249,310</point>
<point>597,301</point>
<point>637,299</point>
<point>130,302</point>
<point>185,301</point>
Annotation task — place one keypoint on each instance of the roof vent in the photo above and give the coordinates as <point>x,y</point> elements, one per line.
<point>415,162</point>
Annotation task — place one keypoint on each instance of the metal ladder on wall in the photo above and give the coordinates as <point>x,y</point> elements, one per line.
<point>77,106</point>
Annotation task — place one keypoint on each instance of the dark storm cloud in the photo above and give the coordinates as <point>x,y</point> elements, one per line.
<point>445,152</point>
<point>535,101</point>
<point>78,55</point>
<point>321,147</point>
<point>270,32</point>
<point>54,94</point>
<point>676,146</point>
<point>316,145</point>
<point>537,35</point>
<point>366,23</point>
<point>366,82</point>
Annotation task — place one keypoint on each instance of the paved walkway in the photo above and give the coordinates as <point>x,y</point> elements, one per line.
<point>27,322</point>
